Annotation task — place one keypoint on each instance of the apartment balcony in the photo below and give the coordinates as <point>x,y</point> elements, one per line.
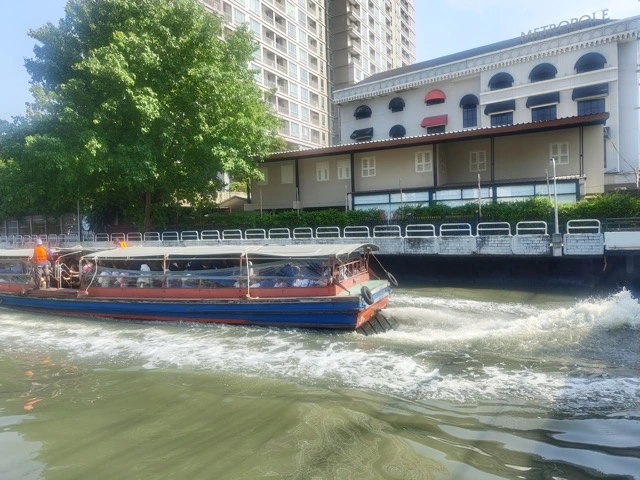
<point>282,68</point>
<point>269,41</point>
<point>283,88</point>
<point>280,5</point>
<point>267,16</point>
<point>281,46</point>
<point>281,25</point>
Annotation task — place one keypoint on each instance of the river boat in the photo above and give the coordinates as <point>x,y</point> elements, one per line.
<point>304,286</point>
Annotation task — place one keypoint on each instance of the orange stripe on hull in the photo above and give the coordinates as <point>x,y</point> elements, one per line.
<point>365,315</point>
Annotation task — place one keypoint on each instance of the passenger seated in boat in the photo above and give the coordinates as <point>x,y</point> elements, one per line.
<point>280,283</point>
<point>145,277</point>
<point>104,279</point>
<point>87,268</point>
<point>301,281</point>
<point>121,281</point>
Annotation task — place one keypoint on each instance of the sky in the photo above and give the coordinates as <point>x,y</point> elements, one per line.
<point>442,27</point>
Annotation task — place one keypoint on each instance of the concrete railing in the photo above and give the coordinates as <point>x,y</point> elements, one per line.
<point>583,237</point>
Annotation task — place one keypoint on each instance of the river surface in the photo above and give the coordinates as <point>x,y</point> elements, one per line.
<point>474,384</point>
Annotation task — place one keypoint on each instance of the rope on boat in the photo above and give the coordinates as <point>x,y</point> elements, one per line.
<point>389,275</point>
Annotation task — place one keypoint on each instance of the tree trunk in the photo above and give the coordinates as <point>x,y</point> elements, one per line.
<point>147,211</point>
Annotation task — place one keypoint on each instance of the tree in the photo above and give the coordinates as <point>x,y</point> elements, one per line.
<point>139,103</point>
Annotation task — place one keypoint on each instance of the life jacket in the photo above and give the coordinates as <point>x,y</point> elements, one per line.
<point>40,254</point>
<point>123,244</point>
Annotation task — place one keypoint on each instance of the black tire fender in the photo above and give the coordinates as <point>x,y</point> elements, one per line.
<point>392,279</point>
<point>367,296</point>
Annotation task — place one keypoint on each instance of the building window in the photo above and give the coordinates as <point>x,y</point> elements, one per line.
<point>239,17</point>
<point>363,111</point>
<point>478,161</point>
<point>344,169</point>
<point>286,174</point>
<point>436,129</point>
<point>589,107</point>
<point>499,119</point>
<point>542,114</point>
<point>500,80</point>
<point>322,171</point>
<point>469,104</point>
<point>469,116</point>
<point>265,173</point>
<point>424,162</point>
<point>559,151</point>
<point>368,166</point>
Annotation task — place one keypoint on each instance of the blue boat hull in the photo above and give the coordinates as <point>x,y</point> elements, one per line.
<point>329,312</point>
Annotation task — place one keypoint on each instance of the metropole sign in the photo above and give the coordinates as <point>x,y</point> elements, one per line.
<point>566,26</point>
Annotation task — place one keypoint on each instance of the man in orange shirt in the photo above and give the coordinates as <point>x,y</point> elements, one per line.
<point>41,258</point>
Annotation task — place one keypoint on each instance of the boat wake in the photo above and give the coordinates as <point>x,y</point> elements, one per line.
<point>575,357</point>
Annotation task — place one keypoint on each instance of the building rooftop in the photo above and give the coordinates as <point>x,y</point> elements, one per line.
<point>493,47</point>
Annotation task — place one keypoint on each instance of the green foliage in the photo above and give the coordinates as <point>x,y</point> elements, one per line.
<point>135,97</point>
<point>611,205</point>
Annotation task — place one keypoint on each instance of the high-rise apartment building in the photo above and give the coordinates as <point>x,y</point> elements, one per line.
<point>308,48</point>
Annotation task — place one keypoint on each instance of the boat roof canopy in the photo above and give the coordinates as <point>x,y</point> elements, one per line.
<point>340,252</point>
<point>16,253</point>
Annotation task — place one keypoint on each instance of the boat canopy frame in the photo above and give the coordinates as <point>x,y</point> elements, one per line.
<point>339,252</point>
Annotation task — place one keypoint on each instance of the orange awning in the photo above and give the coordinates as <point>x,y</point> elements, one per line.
<point>435,95</point>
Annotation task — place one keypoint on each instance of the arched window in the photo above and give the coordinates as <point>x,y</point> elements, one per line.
<point>589,62</point>
<point>469,105</point>
<point>363,111</point>
<point>500,80</point>
<point>397,131</point>
<point>435,97</point>
<point>544,71</point>
<point>396,105</point>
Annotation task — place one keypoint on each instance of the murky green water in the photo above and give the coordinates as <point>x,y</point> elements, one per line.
<point>474,384</point>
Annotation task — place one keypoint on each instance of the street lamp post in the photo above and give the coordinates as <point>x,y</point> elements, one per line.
<point>555,194</point>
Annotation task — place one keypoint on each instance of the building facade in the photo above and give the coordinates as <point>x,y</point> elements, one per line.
<point>310,47</point>
<point>481,125</point>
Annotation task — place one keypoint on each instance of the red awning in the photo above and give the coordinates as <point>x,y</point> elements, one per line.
<point>435,95</point>
<point>435,120</point>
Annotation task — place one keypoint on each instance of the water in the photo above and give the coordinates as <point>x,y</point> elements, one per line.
<point>474,384</point>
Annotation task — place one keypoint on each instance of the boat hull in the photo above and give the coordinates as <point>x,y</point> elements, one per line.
<point>338,312</point>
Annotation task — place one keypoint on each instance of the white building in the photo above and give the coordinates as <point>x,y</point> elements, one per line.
<point>496,114</point>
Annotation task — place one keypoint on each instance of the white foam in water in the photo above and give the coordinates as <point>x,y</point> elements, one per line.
<point>438,352</point>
